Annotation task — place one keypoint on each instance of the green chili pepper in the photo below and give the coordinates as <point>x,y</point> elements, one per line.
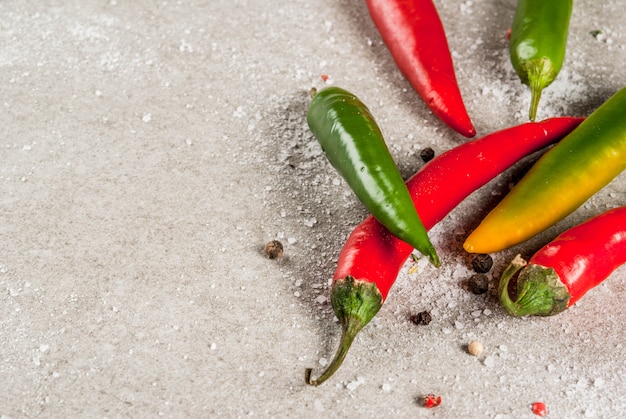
<point>354,145</point>
<point>537,44</point>
<point>564,178</point>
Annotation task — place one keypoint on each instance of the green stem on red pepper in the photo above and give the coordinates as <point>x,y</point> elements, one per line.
<point>564,178</point>
<point>354,145</point>
<point>372,257</point>
<point>565,269</point>
<point>537,44</point>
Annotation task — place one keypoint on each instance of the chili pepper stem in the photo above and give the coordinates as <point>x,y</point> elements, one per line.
<point>540,292</point>
<point>539,73</point>
<point>355,303</point>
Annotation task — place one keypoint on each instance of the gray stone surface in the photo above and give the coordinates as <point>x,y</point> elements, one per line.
<point>150,149</point>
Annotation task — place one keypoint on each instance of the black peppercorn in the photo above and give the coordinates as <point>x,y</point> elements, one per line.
<point>478,283</point>
<point>427,154</point>
<point>482,263</point>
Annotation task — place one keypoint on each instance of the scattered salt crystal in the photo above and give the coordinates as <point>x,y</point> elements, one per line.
<point>458,325</point>
<point>590,413</point>
<point>188,141</point>
<point>147,117</point>
<point>310,222</point>
<point>291,240</point>
<point>321,299</point>
<point>489,362</point>
<point>239,112</point>
<point>296,294</point>
<point>27,147</point>
<point>476,313</point>
<point>43,348</point>
<point>504,348</point>
<point>323,362</point>
<point>386,387</point>
<point>354,384</point>
<point>318,406</point>
<point>213,346</point>
<point>487,312</point>
<point>185,46</point>
<point>446,331</point>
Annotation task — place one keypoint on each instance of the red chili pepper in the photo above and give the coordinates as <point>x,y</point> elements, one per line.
<point>562,271</point>
<point>372,257</point>
<point>416,39</point>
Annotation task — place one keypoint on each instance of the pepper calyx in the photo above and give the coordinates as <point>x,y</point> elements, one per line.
<point>355,302</point>
<point>540,292</point>
<point>538,74</point>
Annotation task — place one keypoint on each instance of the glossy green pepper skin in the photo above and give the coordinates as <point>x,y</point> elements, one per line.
<point>537,44</point>
<point>355,147</point>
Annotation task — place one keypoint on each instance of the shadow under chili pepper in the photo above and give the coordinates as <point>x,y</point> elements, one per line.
<point>594,97</point>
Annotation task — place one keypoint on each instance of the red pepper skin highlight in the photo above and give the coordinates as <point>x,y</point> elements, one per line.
<point>416,39</point>
<point>565,269</point>
<point>372,257</point>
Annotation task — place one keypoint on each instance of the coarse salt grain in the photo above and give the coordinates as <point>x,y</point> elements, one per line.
<point>489,362</point>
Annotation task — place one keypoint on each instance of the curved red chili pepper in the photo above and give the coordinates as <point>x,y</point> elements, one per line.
<point>371,253</point>
<point>415,37</point>
<point>372,257</point>
<point>562,271</point>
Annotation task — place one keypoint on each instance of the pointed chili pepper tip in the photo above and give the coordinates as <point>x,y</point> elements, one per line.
<point>355,302</point>
<point>433,257</point>
<point>540,292</point>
